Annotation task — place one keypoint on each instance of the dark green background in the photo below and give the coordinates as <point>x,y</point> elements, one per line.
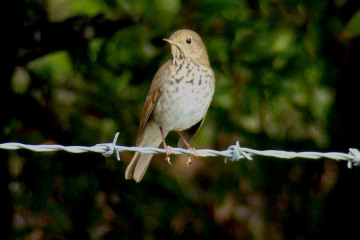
<point>76,72</point>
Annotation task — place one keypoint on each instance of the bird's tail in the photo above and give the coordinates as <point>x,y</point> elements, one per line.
<point>151,137</point>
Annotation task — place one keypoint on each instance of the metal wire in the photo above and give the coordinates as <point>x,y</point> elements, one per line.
<point>233,153</point>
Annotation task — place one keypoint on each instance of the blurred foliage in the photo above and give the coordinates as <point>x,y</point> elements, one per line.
<point>283,81</point>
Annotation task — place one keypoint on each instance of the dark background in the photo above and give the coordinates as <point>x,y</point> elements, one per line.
<point>76,72</point>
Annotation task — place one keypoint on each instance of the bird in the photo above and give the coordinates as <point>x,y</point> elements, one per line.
<point>178,99</point>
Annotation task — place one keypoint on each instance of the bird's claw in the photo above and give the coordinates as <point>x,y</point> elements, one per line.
<point>167,158</point>
<point>189,161</point>
<point>193,154</point>
<point>169,150</point>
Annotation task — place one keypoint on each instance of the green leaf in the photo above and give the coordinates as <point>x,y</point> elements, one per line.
<point>352,28</point>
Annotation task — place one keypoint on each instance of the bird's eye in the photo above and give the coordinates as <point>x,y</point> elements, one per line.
<point>188,41</point>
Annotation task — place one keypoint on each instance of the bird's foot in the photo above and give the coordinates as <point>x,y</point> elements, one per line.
<point>169,151</point>
<point>193,154</point>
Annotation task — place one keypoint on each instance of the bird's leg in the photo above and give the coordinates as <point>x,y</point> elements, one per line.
<point>192,150</point>
<point>169,150</point>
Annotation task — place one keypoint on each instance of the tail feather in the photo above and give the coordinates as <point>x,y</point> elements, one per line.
<point>151,138</point>
<point>142,166</point>
<point>129,173</point>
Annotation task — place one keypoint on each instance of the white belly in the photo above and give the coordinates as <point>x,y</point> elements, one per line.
<point>185,103</point>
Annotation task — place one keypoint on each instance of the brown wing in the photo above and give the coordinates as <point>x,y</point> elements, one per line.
<point>152,98</point>
<point>190,133</point>
<point>148,108</point>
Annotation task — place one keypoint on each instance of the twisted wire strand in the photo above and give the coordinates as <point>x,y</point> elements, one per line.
<point>233,153</point>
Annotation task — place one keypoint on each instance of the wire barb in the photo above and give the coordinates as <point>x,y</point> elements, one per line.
<point>237,153</point>
<point>356,158</point>
<point>233,153</point>
<point>111,148</point>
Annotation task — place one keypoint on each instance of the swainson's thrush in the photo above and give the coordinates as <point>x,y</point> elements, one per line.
<point>178,99</point>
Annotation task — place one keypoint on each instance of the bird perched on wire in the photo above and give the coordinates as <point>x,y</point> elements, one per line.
<point>178,100</point>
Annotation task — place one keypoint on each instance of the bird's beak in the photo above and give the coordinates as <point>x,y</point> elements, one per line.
<point>169,40</point>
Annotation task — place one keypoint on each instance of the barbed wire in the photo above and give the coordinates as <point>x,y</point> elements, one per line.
<point>233,153</point>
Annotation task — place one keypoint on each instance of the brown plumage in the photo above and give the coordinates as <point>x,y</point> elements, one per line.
<point>178,99</point>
